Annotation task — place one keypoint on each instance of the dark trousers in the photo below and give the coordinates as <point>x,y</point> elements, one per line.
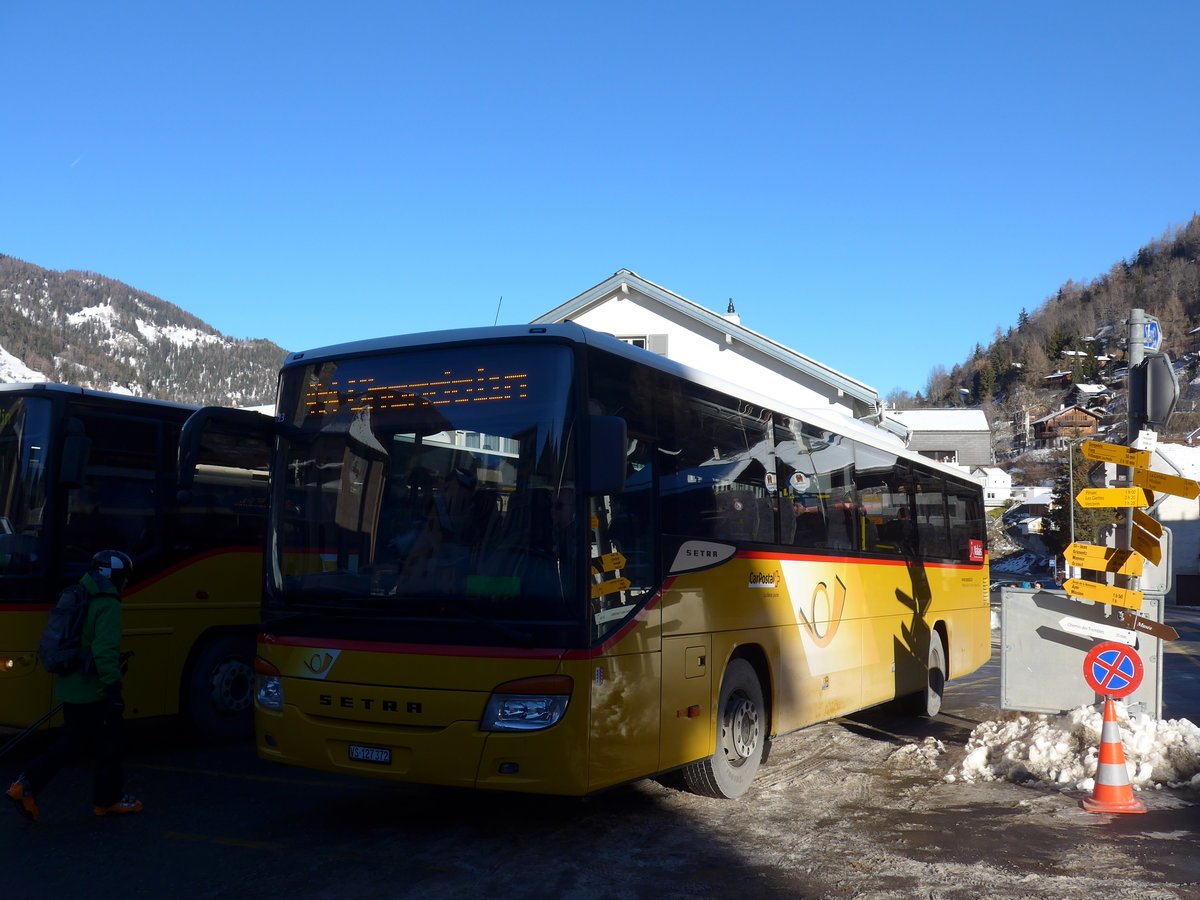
<point>94,728</point>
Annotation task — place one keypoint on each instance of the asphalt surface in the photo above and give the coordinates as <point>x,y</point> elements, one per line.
<point>846,809</point>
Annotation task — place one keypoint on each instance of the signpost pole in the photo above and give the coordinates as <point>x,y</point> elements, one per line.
<point>1137,353</point>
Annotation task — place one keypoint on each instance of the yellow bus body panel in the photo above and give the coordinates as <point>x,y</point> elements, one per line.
<point>161,620</point>
<point>834,636</point>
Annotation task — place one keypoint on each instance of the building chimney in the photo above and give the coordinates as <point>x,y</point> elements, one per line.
<point>731,314</point>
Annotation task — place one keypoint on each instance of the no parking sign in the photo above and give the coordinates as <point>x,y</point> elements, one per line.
<point>1113,670</point>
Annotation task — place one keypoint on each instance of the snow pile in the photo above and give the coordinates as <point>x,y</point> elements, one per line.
<point>925,754</point>
<point>1062,752</point>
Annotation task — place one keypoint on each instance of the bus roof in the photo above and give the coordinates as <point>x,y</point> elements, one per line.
<point>53,387</point>
<point>829,419</point>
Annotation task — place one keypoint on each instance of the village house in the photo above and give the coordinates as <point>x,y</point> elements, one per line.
<point>1065,425</point>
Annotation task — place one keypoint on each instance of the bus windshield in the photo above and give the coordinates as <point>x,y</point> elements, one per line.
<point>24,445</point>
<point>432,490</point>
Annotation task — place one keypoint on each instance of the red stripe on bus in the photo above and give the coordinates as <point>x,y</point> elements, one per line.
<point>851,560</point>
<point>190,561</point>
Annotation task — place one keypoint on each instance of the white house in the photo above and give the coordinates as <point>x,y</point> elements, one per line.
<point>997,485</point>
<point>650,316</point>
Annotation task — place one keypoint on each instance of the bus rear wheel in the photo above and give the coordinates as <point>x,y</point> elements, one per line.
<point>220,688</point>
<point>741,737</point>
<point>929,701</point>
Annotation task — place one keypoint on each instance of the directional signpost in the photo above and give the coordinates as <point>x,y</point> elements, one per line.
<point>1167,484</point>
<point>1094,498</point>
<point>1104,559</point>
<point>1115,453</point>
<point>1146,544</point>
<point>1107,612</point>
<point>1147,524</point>
<point>1145,534</point>
<point>1143,625</point>
<point>1103,593</point>
<point>1085,628</point>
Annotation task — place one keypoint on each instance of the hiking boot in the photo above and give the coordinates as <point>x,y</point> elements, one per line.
<point>127,804</point>
<point>22,799</point>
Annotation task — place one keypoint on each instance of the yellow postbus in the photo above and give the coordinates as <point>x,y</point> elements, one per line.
<point>539,559</point>
<point>82,471</point>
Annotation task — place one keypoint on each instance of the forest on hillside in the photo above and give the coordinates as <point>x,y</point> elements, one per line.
<point>1079,330</point>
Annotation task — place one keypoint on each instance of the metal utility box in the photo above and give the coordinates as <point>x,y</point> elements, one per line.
<point>1041,657</point>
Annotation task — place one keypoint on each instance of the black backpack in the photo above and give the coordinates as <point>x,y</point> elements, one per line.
<point>60,648</point>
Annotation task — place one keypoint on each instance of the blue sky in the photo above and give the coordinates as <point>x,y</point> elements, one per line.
<point>878,186</point>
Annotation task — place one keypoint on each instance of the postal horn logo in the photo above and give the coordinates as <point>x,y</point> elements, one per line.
<point>320,662</point>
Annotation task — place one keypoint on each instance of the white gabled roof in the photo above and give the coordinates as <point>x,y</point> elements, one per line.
<point>991,471</point>
<point>941,419</point>
<point>624,279</point>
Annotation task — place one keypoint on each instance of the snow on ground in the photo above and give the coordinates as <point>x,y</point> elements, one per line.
<point>177,334</point>
<point>102,313</point>
<point>12,370</point>
<point>1061,751</point>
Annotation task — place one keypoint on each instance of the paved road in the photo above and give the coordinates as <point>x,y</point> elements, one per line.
<point>1181,665</point>
<point>831,816</point>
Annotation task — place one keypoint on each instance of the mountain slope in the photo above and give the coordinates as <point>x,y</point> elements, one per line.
<point>88,330</point>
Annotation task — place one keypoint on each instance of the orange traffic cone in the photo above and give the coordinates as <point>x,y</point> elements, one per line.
<point>1113,792</point>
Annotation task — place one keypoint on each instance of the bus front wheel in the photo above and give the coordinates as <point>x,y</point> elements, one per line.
<point>741,737</point>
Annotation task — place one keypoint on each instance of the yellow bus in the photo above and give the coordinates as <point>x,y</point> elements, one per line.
<point>82,471</point>
<point>539,559</point>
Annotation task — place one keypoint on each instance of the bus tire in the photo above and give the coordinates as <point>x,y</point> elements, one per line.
<point>220,687</point>
<point>930,700</point>
<point>741,737</point>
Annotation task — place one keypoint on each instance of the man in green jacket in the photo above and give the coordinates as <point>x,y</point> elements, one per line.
<point>91,698</point>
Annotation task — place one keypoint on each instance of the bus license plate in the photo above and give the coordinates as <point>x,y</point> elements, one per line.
<point>380,755</point>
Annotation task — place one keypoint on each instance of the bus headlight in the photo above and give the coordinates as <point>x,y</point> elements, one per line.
<point>268,686</point>
<point>529,704</point>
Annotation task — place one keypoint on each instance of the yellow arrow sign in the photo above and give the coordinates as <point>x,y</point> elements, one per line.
<point>1151,525</point>
<point>1167,484</point>
<point>1092,498</point>
<point>1146,544</point>
<point>1115,453</point>
<point>1105,559</point>
<point>1103,593</point>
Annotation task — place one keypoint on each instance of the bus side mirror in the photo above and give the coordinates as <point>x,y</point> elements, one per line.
<point>76,448</point>
<point>607,447</point>
<point>222,436</point>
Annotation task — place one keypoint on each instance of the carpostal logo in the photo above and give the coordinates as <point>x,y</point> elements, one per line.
<point>320,662</point>
<point>766,579</point>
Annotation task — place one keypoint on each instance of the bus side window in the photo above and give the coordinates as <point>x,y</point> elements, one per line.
<point>118,503</point>
<point>966,520</point>
<point>933,539</point>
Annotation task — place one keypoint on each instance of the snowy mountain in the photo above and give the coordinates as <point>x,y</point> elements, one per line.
<point>85,329</point>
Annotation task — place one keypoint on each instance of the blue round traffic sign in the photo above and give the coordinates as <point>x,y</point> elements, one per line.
<point>1112,669</point>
